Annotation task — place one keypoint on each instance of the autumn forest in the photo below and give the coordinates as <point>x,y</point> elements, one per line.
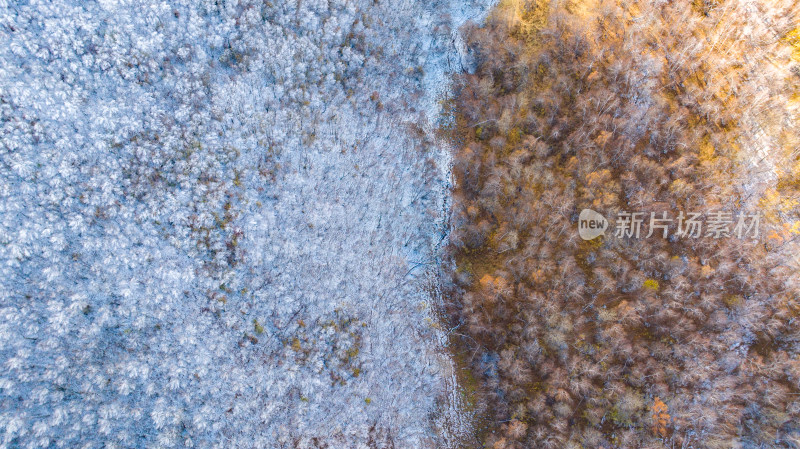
<point>617,106</point>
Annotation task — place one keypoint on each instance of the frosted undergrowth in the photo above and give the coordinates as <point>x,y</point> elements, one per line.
<point>215,218</point>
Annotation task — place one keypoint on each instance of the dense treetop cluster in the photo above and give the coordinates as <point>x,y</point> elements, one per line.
<point>214,216</point>
<point>623,342</point>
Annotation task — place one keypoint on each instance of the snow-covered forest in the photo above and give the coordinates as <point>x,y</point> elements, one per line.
<point>354,224</point>
<point>218,221</point>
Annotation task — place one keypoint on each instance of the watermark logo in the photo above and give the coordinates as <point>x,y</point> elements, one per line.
<point>591,224</point>
<point>691,225</point>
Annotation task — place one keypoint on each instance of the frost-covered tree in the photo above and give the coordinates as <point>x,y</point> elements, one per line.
<point>214,221</point>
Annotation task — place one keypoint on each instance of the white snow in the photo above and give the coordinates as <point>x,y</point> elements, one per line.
<point>211,232</point>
